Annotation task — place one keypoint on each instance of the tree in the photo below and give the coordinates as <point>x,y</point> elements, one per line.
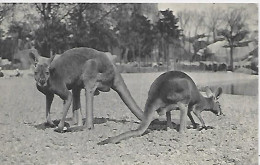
<point>213,21</point>
<point>184,20</point>
<point>168,33</point>
<point>198,21</point>
<point>235,31</point>
<point>5,8</point>
<point>135,36</point>
<point>90,25</point>
<point>197,44</point>
<point>50,28</point>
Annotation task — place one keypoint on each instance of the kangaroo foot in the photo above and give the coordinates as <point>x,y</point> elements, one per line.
<point>89,126</point>
<point>182,131</point>
<point>193,126</point>
<point>206,127</point>
<point>60,130</point>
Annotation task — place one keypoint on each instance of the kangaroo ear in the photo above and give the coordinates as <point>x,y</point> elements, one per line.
<point>218,92</point>
<point>209,92</point>
<point>51,59</point>
<point>34,57</point>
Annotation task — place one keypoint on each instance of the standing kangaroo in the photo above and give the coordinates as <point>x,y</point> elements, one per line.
<point>173,90</point>
<point>76,69</point>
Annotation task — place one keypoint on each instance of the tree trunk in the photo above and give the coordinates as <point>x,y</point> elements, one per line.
<point>214,35</point>
<point>167,56</point>
<point>125,55</point>
<point>231,58</point>
<point>139,54</point>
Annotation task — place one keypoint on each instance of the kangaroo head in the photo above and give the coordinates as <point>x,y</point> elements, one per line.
<point>213,100</point>
<point>41,68</point>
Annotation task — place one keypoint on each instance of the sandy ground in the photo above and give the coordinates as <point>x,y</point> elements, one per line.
<point>25,140</point>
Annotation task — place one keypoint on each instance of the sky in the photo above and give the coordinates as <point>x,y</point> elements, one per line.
<point>202,6</point>
<point>251,9</point>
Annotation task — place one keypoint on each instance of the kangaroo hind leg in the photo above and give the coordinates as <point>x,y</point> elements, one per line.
<point>76,107</point>
<point>183,116</point>
<point>90,76</point>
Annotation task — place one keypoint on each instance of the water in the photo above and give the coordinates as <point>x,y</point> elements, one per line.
<point>249,88</point>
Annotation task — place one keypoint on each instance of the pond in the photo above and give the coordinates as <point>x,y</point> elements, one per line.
<point>249,88</point>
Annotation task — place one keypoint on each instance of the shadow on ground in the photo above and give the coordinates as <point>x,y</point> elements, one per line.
<point>155,124</point>
<point>70,128</point>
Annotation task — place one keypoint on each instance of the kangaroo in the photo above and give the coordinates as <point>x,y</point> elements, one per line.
<point>76,69</point>
<point>173,90</point>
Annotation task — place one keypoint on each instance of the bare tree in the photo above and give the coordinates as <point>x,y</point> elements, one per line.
<point>4,10</point>
<point>235,30</point>
<point>184,18</point>
<point>213,21</point>
<point>198,21</point>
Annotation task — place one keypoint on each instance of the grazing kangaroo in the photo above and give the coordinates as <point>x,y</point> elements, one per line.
<point>76,69</point>
<point>173,90</point>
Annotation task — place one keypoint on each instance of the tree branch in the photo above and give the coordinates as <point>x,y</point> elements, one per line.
<point>110,11</point>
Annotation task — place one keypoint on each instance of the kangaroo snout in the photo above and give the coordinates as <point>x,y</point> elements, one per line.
<point>42,82</point>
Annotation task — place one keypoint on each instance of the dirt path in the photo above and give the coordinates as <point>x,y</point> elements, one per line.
<point>24,140</point>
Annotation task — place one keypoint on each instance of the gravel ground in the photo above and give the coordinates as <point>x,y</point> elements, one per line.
<point>24,139</point>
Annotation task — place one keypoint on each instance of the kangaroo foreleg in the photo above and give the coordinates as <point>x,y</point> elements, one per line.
<point>198,114</point>
<point>66,106</point>
<point>120,87</point>
<point>49,99</point>
<point>194,124</point>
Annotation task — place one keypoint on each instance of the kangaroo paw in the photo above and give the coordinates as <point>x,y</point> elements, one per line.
<point>202,127</point>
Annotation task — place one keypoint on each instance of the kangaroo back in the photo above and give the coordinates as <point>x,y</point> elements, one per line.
<point>172,87</point>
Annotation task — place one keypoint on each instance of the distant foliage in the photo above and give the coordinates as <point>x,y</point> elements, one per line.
<point>135,32</point>
<point>167,33</point>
